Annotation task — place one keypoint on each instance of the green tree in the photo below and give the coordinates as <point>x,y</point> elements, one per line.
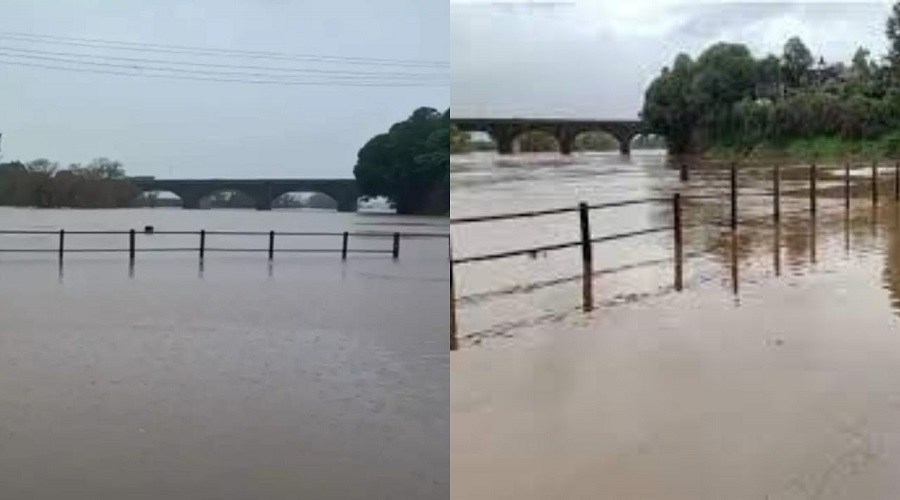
<point>797,61</point>
<point>768,77</point>
<point>862,70</point>
<point>408,163</point>
<point>725,74</point>
<point>892,30</point>
<point>669,108</point>
<point>718,100</point>
<point>42,183</point>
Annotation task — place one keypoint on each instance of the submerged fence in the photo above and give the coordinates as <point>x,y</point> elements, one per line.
<point>676,228</point>
<point>267,239</point>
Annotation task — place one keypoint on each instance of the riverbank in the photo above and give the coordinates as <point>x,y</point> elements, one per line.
<point>822,149</point>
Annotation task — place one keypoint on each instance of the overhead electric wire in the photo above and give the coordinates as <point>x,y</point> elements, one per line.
<point>218,52</point>
<point>228,66</point>
<point>338,83</point>
<point>183,71</point>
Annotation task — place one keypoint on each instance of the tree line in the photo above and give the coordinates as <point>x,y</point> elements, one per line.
<point>43,183</point>
<point>728,98</point>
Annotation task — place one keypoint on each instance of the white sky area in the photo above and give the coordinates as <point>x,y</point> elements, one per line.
<point>202,129</point>
<point>595,58</point>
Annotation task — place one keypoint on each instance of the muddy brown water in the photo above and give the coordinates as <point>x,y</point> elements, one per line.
<point>498,297</point>
<point>772,376</point>
<point>306,378</point>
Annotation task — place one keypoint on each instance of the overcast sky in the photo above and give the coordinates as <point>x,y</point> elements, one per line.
<point>594,58</point>
<point>184,128</point>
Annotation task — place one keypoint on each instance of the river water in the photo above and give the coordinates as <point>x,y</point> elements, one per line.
<point>305,377</point>
<point>772,375</point>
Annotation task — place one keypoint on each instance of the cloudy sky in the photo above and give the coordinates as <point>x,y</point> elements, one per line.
<point>594,58</point>
<point>191,127</point>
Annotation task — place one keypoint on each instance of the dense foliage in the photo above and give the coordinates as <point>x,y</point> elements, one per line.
<point>42,183</point>
<point>410,164</point>
<point>727,98</point>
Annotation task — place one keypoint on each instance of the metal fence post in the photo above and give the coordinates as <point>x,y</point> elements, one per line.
<point>679,241</point>
<point>587,258</point>
<point>777,249</point>
<point>847,189</point>
<point>396,249</point>
<point>271,245</point>
<point>734,200</point>
<point>776,197</point>
<point>897,181</point>
<point>874,183</point>
<point>453,340</point>
<point>62,243</point>
<point>345,245</point>
<point>131,249</point>
<point>202,243</point>
<point>812,190</point>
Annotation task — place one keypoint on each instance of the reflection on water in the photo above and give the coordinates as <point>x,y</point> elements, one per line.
<point>497,298</point>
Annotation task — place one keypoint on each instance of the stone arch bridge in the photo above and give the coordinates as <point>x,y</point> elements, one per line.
<point>263,191</point>
<point>504,131</point>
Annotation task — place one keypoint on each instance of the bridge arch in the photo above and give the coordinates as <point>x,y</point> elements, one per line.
<point>305,200</point>
<point>595,140</point>
<point>536,139</point>
<point>505,131</point>
<point>646,140</point>
<point>158,198</point>
<point>345,194</point>
<point>228,197</point>
<point>622,134</point>
<point>262,191</point>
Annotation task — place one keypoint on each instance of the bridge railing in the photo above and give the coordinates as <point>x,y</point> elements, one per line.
<point>342,242</point>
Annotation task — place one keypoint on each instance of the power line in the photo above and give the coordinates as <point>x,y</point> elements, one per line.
<point>183,71</point>
<point>218,52</point>
<point>225,80</point>
<point>230,66</point>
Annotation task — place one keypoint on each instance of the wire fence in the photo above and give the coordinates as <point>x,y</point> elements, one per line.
<point>268,242</point>
<point>811,174</point>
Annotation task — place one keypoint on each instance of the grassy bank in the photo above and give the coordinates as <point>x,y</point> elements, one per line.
<point>825,149</point>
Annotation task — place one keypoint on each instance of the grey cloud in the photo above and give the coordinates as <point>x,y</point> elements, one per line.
<point>714,21</point>
<point>542,65</point>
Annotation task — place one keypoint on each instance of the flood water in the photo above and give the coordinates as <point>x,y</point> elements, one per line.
<point>772,375</point>
<point>306,377</point>
<point>497,298</point>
